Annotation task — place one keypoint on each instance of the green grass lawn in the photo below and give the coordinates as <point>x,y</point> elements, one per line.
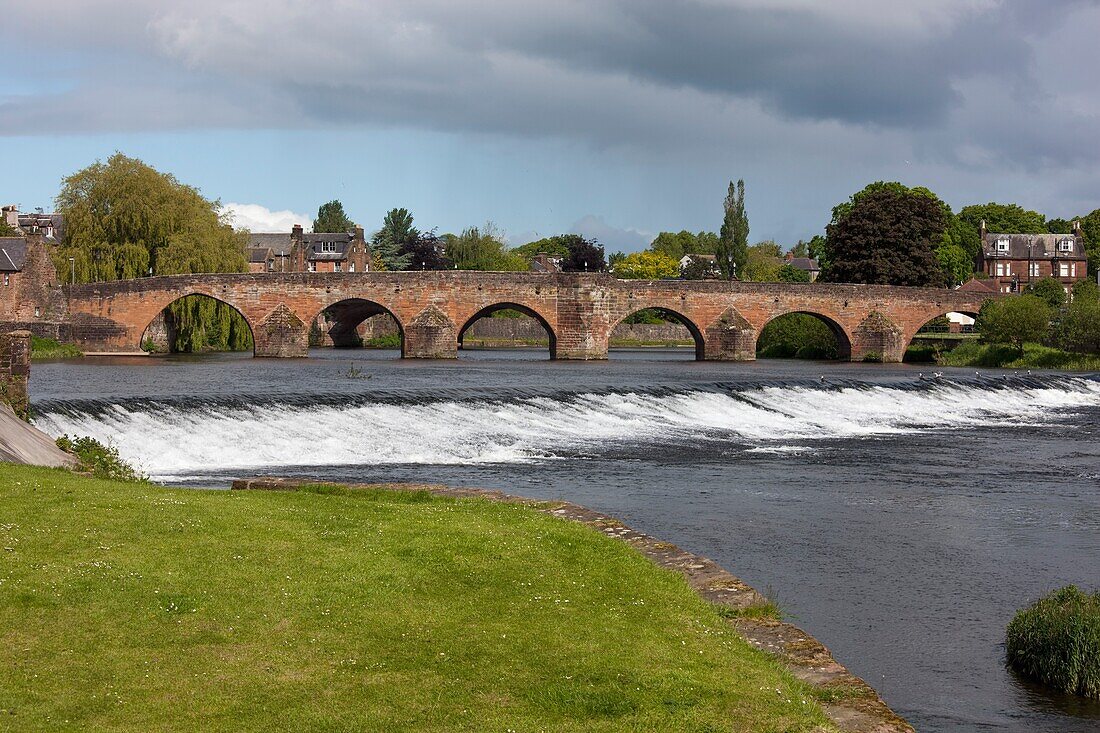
<point>135,607</point>
<point>1035,356</point>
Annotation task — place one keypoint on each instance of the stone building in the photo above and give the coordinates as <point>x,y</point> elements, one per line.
<point>312,252</point>
<point>1014,261</point>
<point>29,288</point>
<point>50,226</point>
<point>806,264</point>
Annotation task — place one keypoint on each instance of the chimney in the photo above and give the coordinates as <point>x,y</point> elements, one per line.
<point>1077,230</point>
<point>981,231</point>
<point>359,233</point>
<point>296,233</point>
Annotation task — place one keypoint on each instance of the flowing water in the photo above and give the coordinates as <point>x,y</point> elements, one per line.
<point>901,520</point>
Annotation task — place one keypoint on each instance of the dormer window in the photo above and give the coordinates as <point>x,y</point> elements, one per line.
<point>1066,245</point>
<point>327,247</point>
<point>1002,244</point>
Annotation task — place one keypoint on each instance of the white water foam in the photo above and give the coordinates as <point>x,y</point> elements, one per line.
<point>173,441</point>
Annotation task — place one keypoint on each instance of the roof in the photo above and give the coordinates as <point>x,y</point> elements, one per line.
<point>804,263</point>
<point>543,262</point>
<point>260,254</point>
<point>1043,246</point>
<point>695,256</point>
<point>974,285</point>
<point>13,254</point>
<point>279,242</point>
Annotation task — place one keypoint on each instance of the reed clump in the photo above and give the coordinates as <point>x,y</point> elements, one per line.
<point>1057,641</point>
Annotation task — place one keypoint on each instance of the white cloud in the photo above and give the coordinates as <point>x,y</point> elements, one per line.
<point>257,218</point>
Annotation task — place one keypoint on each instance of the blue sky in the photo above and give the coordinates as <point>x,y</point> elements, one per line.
<point>616,118</point>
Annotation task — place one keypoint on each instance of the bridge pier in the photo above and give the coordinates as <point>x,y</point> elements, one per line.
<point>281,334</point>
<point>730,338</point>
<point>878,339</point>
<point>431,335</point>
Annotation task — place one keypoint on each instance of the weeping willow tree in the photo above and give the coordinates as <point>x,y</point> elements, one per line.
<point>124,219</point>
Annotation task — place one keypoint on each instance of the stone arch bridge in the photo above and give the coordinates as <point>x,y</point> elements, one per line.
<point>578,311</point>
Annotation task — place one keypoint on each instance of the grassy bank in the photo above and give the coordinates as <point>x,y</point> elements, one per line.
<point>134,607</point>
<point>43,348</point>
<point>1035,356</point>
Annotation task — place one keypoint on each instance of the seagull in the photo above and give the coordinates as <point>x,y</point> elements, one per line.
<point>937,375</point>
<point>823,379</point>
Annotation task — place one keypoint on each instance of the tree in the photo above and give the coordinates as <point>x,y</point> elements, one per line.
<point>1059,226</point>
<point>1008,218</point>
<point>887,237</point>
<point>557,246</point>
<point>1079,325</point>
<point>614,259</point>
<point>700,268</point>
<point>426,252</point>
<point>125,219</point>
<point>788,273</point>
<point>1049,291</point>
<point>391,242</point>
<point>734,237</point>
<point>800,250</point>
<point>647,266</point>
<point>7,230</point>
<point>762,263</point>
<point>818,249</point>
<point>1090,226</point>
<point>482,249</point>
<point>681,243</point>
<point>331,218</point>
<point>584,255</point>
<point>1016,321</point>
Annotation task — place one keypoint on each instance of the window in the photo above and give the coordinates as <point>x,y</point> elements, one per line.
<point>37,311</point>
<point>1002,244</point>
<point>351,267</point>
<point>1065,269</point>
<point>1034,271</point>
<point>313,267</point>
<point>7,279</point>
<point>327,247</point>
<point>338,267</point>
<point>1073,269</point>
<point>1066,245</point>
<point>1000,269</point>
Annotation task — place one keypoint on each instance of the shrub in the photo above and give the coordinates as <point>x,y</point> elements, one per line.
<point>44,348</point>
<point>387,341</point>
<point>1017,320</point>
<point>797,335</point>
<point>1057,642</point>
<point>102,461</point>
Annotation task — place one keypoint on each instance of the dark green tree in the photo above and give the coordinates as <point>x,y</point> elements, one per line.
<point>1059,226</point>
<point>1090,226</point>
<point>818,249</point>
<point>390,244</point>
<point>426,252</point>
<point>1079,324</point>
<point>887,237</point>
<point>1016,321</point>
<point>585,255</point>
<point>331,218</point>
<point>732,252</point>
<point>1049,291</point>
<point>800,250</point>
<point>7,230</point>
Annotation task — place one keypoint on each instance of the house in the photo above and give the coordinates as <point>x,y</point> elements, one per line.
<point>28,281</point>
<point>806,264</point>
<point>312,252</point>
<point>1014,261</point>
<point>699,266</point>
<point>50,226</point>
<point>543,262</point>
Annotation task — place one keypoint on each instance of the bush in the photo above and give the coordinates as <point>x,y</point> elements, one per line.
<point>43,348</point>
<point>1057,642</point>
<point>387,341</point>
<point>1016,320</point>
<point>102,461</point>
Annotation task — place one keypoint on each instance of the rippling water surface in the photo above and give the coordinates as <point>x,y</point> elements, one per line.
<point>900,519</point>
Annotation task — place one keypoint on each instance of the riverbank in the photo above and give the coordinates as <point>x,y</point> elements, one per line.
<point>1003,356</point>
<point>132,607</point>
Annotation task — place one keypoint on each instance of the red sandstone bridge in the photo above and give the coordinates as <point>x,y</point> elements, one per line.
<point>578,311</point>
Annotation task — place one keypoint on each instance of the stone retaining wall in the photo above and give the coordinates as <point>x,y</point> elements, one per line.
<point>15,370</point>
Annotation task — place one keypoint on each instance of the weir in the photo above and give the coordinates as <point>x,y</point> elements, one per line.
<point>578,311</point>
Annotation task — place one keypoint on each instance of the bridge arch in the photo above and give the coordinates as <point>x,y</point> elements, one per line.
<point>677,317</point>
<point>843,338</point>
<point>935,332</point>
<point>160,332</point>
<point>513,306</point>
<point>342,319</point>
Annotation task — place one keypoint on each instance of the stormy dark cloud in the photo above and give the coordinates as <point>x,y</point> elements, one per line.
<point>809,91</point>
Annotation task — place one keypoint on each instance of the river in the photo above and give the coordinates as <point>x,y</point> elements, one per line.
<point>901,520</point>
